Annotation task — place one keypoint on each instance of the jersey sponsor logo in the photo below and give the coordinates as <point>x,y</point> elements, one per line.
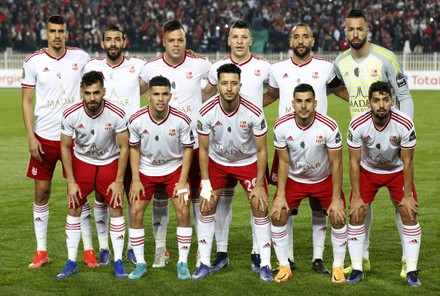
<point>243,124</point>
<point>400,80</point>
<point>189,75</point>
<point>172,132</point>
<point>374,73</point>
<point>412,137</point>
<point>131,69</point>
<point>231,149</point>
<point>74,66</point>
<point>108,126</point>
<point>304,165</point>
<point>319,139</point>
<point>357,72</point>
<point>315,75</point>
<point>257,73</point>
<point>285,75</point>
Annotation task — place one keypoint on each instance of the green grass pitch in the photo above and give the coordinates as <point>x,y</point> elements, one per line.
<point>17,240</point>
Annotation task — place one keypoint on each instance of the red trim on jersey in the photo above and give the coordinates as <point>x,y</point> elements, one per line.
<point>138,113</point>
<point>262,135</point>
<point>96,115</point>
<point>56,58</point>
<point>115,66</point>
<point>209,105</point>
<point>112,107</point>
<point>284,118</point>
<point>321,59</point>
<point>381,128</point>
<point>354,147</point>
<point>250,106</point>
<point>233,112</point>
<point>163,120</point>
<point>303,64</point>
<point>33,55</point>
<point>242,63</point>
<point>280,147</point>
<point>154,59</point>
<point>173,66</point>
<point>180,114</point>
<point>307,127</point>
<point>360,120</point>
<point>28,85</point>
<point>402,120</point>
<point>326,120</point>
<point>72,109</point>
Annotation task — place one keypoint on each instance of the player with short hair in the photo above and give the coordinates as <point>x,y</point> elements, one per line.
<point>255,74</point>
<point>185,73</point>
<point>123,88</point>
<point>232,136</point>
<point>309,147</point>
<point>161,151</point>
<point>381,144</point>
<point>285,75</point>
<point>359,66</point>
<point>53,76</point>
<point>98,163</point>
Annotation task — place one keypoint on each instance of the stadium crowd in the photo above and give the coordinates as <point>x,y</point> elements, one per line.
<point>22,22</point>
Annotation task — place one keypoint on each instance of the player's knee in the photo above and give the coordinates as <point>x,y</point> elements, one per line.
<point>42,192</point>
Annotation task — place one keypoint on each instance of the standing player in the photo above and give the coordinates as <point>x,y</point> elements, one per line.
<point>161,150</point>
<point>185,73</point>
<point>53,75</point>
<point>232,136</point>
<point>255,74</point>
<point>381,144</point>
<point>359,66</point>
<point>309,147</point>
<point>123,88</point>
<point>98,163</point>
<point>285,75</point>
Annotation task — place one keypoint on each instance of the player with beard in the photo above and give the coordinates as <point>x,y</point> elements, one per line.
<point>123,88</point>
<point>304,67</point>
<point>360,66</point>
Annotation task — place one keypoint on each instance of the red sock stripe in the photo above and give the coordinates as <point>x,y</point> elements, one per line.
<point>86,207</point>
<point>160,203</point>
<point>117,228</point>
<point>74,226</point>
<point>137,241</point>
<point>339,235</point>
<point>278,235</point>
<point>411,232</point>
<point>41,209</point>
<point>206,219</point>
<point>184,239</point>
<point>100,206</point>
<point>261,221</point>
<point>356,232</point>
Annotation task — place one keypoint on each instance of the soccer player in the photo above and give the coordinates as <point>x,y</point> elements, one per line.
<point>185,73</point>
<point>53,76</point>
<point>304,67</point>
<point>381,144</point>
<point>161,150</point>
<point>98,163</point>
<point>309,147</point>
<point>123,88</point>
<point>359,66</point>
<point>255,74</point>
<point>232,136</point>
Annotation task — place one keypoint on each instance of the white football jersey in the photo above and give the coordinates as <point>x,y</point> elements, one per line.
<point>121,81</point>
<point>254,75</point>
<point>307,146</point>
<point>232,136</point>
<point>381,146</point>
<point>160,143</point>
<point>285,75</point>
<point>95,136</point>
<point>57,85</point>
<point>185,81</point>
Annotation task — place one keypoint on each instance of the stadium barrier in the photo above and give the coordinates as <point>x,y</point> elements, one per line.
<point>422,70</point>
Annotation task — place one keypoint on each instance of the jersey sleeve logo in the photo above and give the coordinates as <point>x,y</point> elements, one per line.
<point>338,138</point>
<point>199,125</point>
<point>400,80</point>
<point>350,136</point>
<point>412,137</point>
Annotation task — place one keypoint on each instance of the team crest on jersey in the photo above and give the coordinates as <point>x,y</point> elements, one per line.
<point>74,66</point>
<point>131,69</point>
<point>400,80</point>
<point>357,72</point>
<point>257,72</point>
<point>393,139</point>
<point>172,132</point>
<point>319,139</point>
<point>34,171</point>
<point>243,124</point>
<point>189,75</point>
<point>108,126</point>
<point>315,75</point>
<point>374,73</point>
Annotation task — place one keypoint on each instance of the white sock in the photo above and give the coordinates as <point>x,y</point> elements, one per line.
<point>368,222</point>
<point>101,221</point>
<point>223,218</point>
<point>160,220</point>
<point>399,225</point>
<point>262,233</point>
<point>255,248</point>
<point>73,236</point>
<point>339,243</point>
<point>356,237</point>
<point>41,219</point>
<point>412,238</point>
<point>184,235</point>
<point>280,243</point>
<point>86,227</point>
<point>129,247</point>
<point>319,230</point>
<point>196,213</point>
<point>290,222</point>
<point>117,234</point>
<point>205,236</point>
<point>137,238</point>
